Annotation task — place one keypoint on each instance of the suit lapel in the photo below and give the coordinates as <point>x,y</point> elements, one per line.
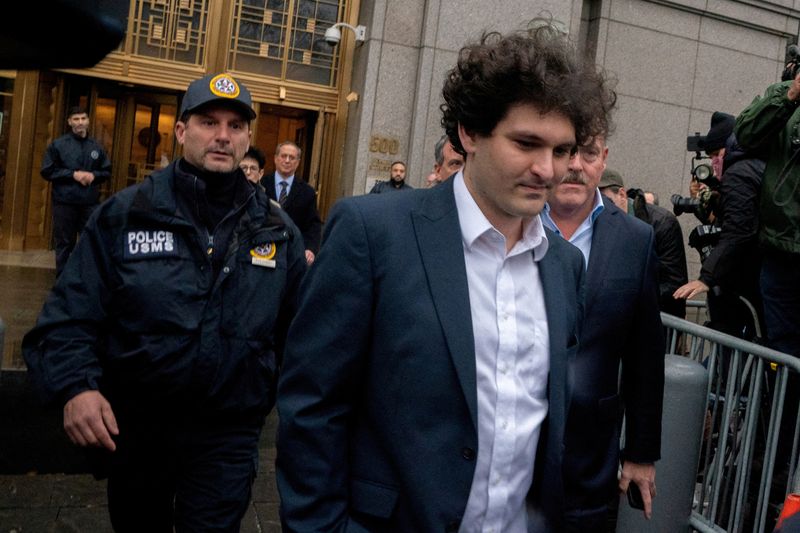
<point>603,235</point>
<point>551,272</point>
<point>440,245</point>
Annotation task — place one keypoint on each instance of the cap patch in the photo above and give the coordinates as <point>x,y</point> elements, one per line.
<point>224,86</point>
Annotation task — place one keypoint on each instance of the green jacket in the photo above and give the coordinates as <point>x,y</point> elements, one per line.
<point>768,125</point>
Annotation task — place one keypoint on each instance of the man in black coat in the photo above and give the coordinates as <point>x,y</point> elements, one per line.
<point>671,253</point>
<point>297,198</point>
<point>76,165</point>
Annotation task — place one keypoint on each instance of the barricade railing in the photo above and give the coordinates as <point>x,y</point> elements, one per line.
<point>749,447</point>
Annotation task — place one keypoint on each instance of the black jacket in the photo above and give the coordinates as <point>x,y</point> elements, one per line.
<point>67,154</point>
<point>301,205</point>
<point>734,263</point>
<point>672,272</point>
<point>139,314</point>
<point>388,186</point>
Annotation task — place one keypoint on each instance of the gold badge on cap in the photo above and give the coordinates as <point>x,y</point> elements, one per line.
<point>263,255</point>
<point>224,86</point>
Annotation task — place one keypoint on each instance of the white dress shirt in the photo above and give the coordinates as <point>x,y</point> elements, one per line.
<point>582,238</point>
<point>512,350</point>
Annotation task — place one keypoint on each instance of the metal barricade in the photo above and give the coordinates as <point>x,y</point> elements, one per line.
<point>740,482</point>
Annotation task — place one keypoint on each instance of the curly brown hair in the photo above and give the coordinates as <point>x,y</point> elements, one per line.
<point>538,66</point>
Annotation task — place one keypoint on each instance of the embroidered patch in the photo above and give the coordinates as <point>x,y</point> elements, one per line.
<point>150,244</point>
<point>95,154</point>
<point>264,254</point>
<point>224,86</point>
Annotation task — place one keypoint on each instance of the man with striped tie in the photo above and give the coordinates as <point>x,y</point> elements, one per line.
<point>297,198</point>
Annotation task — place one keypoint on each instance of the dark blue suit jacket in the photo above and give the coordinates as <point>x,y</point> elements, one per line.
<point>622,324</point>
<point>378,400</point>
<point>301,206</point>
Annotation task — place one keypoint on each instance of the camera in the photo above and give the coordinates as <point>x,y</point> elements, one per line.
<point>333,36</point>
<point>681,204</point>
<point>703,238</point>
<point>792,62</point>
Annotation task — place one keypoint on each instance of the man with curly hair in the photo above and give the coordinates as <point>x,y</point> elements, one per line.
<point>431,394</point>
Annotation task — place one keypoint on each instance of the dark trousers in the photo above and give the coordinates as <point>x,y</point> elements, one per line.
<point>780,291</point>
<point>193,477</point>
<point>68,221</point>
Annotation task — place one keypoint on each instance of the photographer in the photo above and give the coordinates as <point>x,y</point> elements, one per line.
<point>772,122</point>
<point>730,269</point>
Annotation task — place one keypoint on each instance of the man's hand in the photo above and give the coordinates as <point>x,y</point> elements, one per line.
<point>89,420</point>
<point>690,290</point>
<point>83,177</point>
<point>644,475</point>
<point>309,257</point>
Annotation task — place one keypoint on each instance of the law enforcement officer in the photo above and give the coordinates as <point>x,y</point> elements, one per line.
<point>76,165</point>
<point>160,337</point>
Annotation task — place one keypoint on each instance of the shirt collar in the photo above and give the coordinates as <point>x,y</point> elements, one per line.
<point>279,178</point>
<point>474,223</point>
<point>596,210</point>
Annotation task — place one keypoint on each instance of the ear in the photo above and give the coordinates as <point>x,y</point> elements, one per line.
<point>468,140</point>
<point>180,131</point>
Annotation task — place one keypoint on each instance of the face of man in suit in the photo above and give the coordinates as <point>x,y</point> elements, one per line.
<point>510,172</point>
<point>287,160</point>
<point>575,194</point>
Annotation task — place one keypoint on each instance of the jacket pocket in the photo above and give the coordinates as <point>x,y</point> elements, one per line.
<point>372,498</point>
<point>609,408</point>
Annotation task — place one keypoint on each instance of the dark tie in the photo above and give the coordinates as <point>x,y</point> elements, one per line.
<point>282,197</point>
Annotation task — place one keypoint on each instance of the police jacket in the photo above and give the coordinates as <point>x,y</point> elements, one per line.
<point>734,263</point>
<point>388,186</point>
<point>67,154</point>
<point>139,314</point>
<point>771,123</point>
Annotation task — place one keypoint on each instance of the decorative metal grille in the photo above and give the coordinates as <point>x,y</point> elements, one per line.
<point>174,30</point>
<point>285,39</point>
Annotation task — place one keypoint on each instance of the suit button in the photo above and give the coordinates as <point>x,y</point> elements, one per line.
<point>468,453</point>
<point>453,526</point>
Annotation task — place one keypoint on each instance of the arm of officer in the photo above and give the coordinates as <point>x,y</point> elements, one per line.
<point>103,170</point>
<point>61,350</point>
<point>53,168</point>
<point>321,378</point>
<point>89,420</point>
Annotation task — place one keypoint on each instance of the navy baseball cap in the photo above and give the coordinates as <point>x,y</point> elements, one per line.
<point>222,88</point>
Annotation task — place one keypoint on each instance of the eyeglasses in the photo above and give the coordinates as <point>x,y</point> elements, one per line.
<point>247,169</point>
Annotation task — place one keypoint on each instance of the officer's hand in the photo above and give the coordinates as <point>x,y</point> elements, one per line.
<point>644,475</point>
<point>80,177</point>
<point>89,420</point>
<point>690,290</point>
<point>310,257</point>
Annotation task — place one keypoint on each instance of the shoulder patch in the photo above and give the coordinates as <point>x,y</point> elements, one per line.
<point>147,244</point>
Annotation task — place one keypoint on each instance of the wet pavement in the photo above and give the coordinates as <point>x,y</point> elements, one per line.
<point>44,481</point>
<point>76,503</point>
